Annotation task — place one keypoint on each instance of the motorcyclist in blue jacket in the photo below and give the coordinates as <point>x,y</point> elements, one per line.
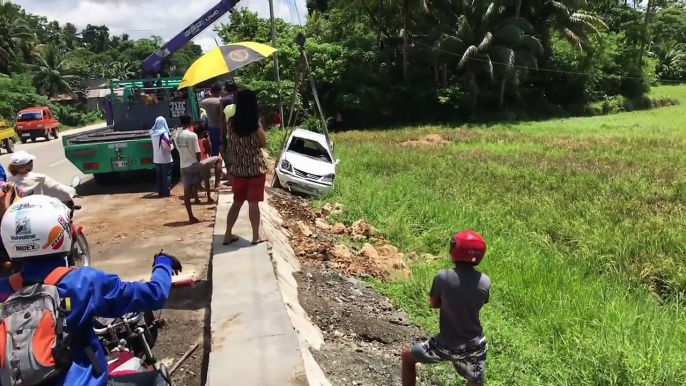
<point>36,230</point>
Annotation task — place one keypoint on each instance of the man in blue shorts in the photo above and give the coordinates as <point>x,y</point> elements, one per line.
<point>459,293</point>
<point>213,107</point>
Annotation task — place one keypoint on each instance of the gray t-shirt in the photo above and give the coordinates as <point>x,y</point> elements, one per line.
<point>213,107</point>
<point>463,291</point>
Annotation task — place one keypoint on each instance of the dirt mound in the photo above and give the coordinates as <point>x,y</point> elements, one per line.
<point>427,140</point>
<point>313,238</point>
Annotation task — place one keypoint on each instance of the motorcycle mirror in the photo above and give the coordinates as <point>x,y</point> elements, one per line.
<point>75,181</point>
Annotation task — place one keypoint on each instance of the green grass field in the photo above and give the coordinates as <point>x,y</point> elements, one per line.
<point>585,221</point>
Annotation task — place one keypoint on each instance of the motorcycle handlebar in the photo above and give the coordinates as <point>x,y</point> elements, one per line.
<point>123,320</point>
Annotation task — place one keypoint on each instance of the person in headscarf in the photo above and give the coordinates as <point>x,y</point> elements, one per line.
<point>203,117</point>
<point>162,157</point>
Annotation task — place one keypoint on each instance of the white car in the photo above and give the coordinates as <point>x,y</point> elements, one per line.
<point>306,164</point>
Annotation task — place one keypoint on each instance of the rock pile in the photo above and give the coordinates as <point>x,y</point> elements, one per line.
<point>314,238</point>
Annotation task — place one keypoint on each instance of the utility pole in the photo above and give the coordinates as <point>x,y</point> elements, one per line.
<point>276,59</point>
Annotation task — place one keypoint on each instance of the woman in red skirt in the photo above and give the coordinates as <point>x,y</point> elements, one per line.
<point>248,167</point>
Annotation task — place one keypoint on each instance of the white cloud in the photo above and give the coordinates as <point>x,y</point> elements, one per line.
<point>164,18</point>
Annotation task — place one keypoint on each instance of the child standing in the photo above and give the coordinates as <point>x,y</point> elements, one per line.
<point>205,151</point>
<point>459,293</point>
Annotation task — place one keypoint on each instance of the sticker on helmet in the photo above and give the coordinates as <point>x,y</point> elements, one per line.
<point>22,225</point>
<point>26,247</point>
<point>64,223</point>
<point>55,238</point>
<point>24,206</point>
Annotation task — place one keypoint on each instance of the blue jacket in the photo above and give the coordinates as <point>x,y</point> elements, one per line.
<point>3,174</point>
<point>96,293</point>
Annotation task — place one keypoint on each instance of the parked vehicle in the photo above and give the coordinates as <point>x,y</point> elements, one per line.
<point>7,138</point>
<point>36,122</point>
<point>125,144</point>
<point>306,164</point>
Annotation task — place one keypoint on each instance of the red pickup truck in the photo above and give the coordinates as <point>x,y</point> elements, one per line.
<point>36,122</point>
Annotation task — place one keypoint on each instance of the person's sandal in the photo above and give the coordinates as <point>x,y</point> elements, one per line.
<point>233,239</point>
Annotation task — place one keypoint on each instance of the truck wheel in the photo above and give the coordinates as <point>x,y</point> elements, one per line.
<point>8,144</point>
<point>33,139</point>
<point>23,140</point>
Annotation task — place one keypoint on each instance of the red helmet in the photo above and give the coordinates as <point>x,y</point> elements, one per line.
<point>468,247</point>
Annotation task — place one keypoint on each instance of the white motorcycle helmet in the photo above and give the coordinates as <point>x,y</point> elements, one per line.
<point>36,226</point>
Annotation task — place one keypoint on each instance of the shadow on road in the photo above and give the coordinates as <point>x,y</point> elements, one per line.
<point>140,181</point>
<point>191,298</point>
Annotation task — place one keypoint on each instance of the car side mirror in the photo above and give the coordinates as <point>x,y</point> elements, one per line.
<point>337,162</point>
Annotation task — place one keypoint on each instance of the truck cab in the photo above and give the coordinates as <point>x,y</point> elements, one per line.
<point>125,143</point>
<point>36,122</point>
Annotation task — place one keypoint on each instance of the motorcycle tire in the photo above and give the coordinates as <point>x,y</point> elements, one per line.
<point>83,250</point>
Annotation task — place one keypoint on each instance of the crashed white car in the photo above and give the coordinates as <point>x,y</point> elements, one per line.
<point>306,164</point>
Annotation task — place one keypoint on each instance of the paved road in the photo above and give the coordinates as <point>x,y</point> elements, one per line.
<point>50,157</point>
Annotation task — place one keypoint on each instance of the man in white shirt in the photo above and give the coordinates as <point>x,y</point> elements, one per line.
<point>192,169</point>
<point>162,156</point>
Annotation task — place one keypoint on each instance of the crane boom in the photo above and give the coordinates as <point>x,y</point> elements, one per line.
<point>153,63</point>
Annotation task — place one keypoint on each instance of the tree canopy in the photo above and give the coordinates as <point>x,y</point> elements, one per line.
<point>54,59</point>
<point>377,61</point>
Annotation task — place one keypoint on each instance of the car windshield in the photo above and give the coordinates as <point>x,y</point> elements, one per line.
<point>309,148</point>
<point>30,116</point>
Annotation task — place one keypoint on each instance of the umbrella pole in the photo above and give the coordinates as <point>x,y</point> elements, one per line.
<point>276,59</point>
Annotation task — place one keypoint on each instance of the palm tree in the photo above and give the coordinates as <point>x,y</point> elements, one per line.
<point>15,35</point>
<point>671,57</point>
<point>488,43</point>
<point>70,37</point>
<point>52,73</point>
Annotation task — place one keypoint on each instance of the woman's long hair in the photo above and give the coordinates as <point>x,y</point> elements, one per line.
<point>247,117</point>
<point>20,169</point>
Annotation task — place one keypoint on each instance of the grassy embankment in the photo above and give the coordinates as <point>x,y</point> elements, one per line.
<point>585,221</point>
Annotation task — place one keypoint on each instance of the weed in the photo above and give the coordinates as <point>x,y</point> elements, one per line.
<point>585,220</point>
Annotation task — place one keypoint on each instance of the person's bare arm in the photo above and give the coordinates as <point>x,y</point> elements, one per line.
<point>261,136</point>
<point>223,130</point>
<point>197,148</point>
<point>435,293</point>
<point>434,302</point>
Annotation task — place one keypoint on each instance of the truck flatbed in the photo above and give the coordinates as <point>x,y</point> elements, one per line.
<point>105,134</point>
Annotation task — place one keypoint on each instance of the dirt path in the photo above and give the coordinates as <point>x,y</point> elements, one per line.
<point>126,226</point>
<point>364,333</point>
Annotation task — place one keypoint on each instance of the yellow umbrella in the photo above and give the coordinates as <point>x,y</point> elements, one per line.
<point>224,59</point>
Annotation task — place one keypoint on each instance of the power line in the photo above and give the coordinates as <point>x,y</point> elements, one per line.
<point>537,68</point>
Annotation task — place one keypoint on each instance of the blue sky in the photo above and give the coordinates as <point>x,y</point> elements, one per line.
<point>140,18</point>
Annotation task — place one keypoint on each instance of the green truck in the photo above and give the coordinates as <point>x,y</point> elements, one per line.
<point>124,144</point>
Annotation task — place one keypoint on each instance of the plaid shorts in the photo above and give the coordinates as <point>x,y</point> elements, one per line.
<point>468,359</point>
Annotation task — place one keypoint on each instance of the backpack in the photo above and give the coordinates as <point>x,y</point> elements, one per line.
<point>34,346</point>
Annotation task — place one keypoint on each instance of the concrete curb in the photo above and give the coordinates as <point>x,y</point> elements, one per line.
<point>285,264</point>
<point>260,334</point>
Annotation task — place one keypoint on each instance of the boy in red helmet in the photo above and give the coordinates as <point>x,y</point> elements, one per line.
<point>459,293</point>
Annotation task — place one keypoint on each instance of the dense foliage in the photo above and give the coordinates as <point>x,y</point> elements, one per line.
<point>402,60</point>
<point>379,61</point>
<point>41,59</point>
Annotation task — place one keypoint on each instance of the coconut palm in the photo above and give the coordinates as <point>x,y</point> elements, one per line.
<point>52,73</point>
<point>488,43</point>
<point>70,37</point>
<point>15,34</point>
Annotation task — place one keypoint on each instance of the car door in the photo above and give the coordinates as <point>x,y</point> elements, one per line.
<point>52,121</point>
